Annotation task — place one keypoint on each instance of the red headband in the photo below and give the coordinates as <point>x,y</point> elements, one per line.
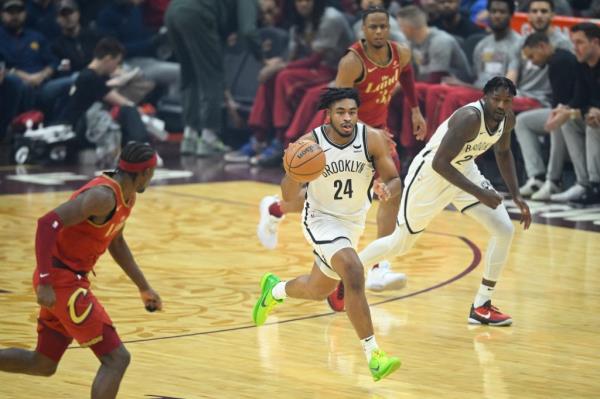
<point>138,166</point>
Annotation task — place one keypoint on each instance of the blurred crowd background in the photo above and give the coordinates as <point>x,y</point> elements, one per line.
<point>232,78</point>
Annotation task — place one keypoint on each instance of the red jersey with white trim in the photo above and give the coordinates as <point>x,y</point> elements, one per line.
<point>80,246</point>
<point>375,87</point>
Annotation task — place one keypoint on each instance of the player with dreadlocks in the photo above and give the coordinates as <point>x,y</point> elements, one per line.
<point>445,172</point>
<point>69,241</point>
<point>334,216</point>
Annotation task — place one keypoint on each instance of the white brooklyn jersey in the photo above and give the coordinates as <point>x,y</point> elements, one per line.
<point>344,187</point>
<point>485,139</point>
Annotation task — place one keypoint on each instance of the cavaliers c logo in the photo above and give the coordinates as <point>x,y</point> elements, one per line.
<point>78,319</point>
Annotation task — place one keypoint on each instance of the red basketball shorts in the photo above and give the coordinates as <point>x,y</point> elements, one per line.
<point>77,314</point>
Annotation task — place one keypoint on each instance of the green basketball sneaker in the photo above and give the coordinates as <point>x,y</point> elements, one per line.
<point>381,365</point>
<point>266,302</point>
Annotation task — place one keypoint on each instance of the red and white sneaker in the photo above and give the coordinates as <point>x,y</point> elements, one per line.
<point>336,298</point>
<point>268,224</point>
<point>489,314</point>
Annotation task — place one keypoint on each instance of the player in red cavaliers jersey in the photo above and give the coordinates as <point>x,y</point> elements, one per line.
<point>69,241</point>
<point>374,66</point>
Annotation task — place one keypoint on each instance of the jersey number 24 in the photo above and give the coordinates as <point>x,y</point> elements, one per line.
<point>339,185</point>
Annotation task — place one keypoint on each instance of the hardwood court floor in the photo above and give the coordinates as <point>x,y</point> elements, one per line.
<point>197,246</point>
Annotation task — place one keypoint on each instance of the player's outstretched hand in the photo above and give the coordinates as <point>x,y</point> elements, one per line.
<point>490,198</point>
<point>45,295</point>
<point>382,190</point>
<point>525,213</point>
<point>419,125</point>
<point>151,300</point>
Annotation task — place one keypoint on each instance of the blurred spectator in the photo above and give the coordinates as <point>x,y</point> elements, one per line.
<point>435,52</point>
<point>29,57</point>
<point>477,10</point>
<point>497,54</point>
<point>198,30</point>
<point>27,51</point>
<point>123,19</point>
<point>75,44</point>
<point>531,124</point>
<point>533,81</point>
<point>561,7</point>
<point>453,21</point>
<point>91,87</point>
<point>270,13</point>
<point>318,39</point>
<point>11,90</point>
<point>432,9</point>
<point>584,108</point>
<point>75,48</point>
<point>41,16</point>
<point>539,15</point>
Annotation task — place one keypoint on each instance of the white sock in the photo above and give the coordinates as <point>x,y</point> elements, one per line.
<point>369,345</point>
<point>483,295</point>
<point>209,135</point>
<point>278,291</point>
<point>190,132</point>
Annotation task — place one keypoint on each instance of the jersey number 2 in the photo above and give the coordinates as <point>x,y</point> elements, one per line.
<point>465,159</point>
<point>338,185</point>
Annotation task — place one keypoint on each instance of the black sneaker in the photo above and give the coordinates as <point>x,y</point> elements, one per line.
<point>591,195</point>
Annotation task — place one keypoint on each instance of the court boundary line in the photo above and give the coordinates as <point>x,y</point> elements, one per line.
<point>472,266</point>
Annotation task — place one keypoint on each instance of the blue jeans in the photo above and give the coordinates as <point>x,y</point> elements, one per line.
<point>53,95</point>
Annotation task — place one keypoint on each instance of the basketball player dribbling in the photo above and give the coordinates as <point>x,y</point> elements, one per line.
<point>445,172</point>
<point>374,66</point>
<point>69,241</point>
<point>334,216</point>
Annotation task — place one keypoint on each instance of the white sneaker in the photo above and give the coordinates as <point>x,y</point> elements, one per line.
<point>575,192</point>
<point>189,142</point>
<point>543,194</point>
<point>382,278</point>
<point>268,224</point>
<point>531,186</point>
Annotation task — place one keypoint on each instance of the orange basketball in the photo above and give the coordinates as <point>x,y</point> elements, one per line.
<point>304,161</point>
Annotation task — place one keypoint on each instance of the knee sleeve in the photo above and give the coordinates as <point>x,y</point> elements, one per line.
<point>498,224</point>
<point>403,241</point>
